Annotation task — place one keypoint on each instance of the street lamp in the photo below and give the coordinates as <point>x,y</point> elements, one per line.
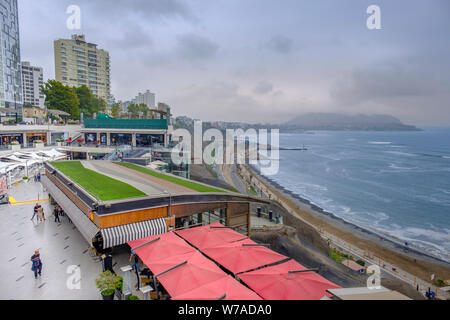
<point>170,203</point>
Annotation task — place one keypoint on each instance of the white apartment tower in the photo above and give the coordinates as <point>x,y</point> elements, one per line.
<point>32,80</point>
<point>147,98</point>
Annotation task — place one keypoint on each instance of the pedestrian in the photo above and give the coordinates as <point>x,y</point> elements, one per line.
<point>134,259</point>
<point>41,214</point>
<point>36,266</point>
<point>39,177</point>
<point>35,212</point>
<point>56,214</point>
<point>61,211</point>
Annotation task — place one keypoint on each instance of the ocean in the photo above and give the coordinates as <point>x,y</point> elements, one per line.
<point>393,183</point>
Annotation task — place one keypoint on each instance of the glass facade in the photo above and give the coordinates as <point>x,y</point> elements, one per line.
<point>10,64</point>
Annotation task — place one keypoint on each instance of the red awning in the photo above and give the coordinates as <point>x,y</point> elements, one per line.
<point>208,236</point>
<point>227,286</point>
<point>169,245</point>
<point>276,283</point>
<point>197,272</point>
<point>238,258</point>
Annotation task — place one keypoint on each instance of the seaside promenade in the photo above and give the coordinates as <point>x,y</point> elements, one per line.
<point>335,242</point>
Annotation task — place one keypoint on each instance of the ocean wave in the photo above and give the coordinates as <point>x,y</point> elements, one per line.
<point>401,153</point>
<point>433,242</point>
<point>394,166</point>
<point>380,142</point>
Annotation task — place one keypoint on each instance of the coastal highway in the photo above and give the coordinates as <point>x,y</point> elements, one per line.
<point>384,265</point>
<point>261,184</point>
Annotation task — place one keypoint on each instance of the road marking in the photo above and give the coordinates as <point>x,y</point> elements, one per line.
<point>42,285</point>
<point>20,278</point>
<point>14,202</point>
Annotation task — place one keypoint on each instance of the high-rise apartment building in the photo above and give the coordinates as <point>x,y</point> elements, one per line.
<point>78,62</point>
<point>147,98</point>
<point>10,64</point>
<point>32,80</point>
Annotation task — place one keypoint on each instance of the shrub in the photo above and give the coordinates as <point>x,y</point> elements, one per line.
<point>14,143</point>
<point>133,298</point>
<point>360,262</point>
<point>107,282</point>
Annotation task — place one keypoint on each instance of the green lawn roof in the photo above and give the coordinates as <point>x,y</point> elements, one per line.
<point>181,182</point>
<point>98,185</point>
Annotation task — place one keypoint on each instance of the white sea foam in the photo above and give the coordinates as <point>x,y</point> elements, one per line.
<point>401,153</point>
<point>394,166</point>
<point>380,142</point>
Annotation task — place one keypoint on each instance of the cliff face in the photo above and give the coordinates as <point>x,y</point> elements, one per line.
<point>334,121</point>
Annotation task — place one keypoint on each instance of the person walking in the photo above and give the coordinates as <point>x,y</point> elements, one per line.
<point>36,266</point>
<point>41,214</point>
<point>35,212</point>
<point>56,214</point>
<point>135,265</point>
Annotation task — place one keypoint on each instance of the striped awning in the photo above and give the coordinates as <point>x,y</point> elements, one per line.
<point>122,234</point>
<point>84,225</point>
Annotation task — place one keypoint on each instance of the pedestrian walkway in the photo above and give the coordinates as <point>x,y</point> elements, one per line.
<point>60,245</point>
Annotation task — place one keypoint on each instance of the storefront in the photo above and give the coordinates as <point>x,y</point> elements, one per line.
<point>31,137</point>
<point>121,138</point>
<point>7,138</point>
<point>148,140</point>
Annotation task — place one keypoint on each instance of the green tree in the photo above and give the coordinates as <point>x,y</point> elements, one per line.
<point>86,101</point>
<point>99,105</point>
<point>133,110</point>
<point>61,97</point>
<point>115,110</point>
<point>143,108</point>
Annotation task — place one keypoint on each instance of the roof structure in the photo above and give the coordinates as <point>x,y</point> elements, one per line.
<point>287,281</point>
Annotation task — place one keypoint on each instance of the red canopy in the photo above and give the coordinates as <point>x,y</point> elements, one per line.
<point>197,272</point>
<point>213,290</point>
<point>169,245</point>
<point>239,258</point>
<point>208,236</point>
<point>276,283</point>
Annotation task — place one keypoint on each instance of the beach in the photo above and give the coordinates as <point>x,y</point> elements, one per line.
<point>417,263</point>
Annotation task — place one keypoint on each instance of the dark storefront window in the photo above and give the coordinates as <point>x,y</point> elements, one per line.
<point>147,140</point>
<point>121,138</point>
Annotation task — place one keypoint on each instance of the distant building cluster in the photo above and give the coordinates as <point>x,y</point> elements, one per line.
<point>77,62</point>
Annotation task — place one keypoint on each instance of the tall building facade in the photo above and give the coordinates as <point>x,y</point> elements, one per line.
<point>78,62</point>
<point>147,98</point>
<point>10,63</point>
<point>32,81</point>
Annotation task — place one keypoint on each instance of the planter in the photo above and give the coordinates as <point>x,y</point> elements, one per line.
<point>59,144</point>
<point>108,297</point>
<point>15,147</point>
<point>38,145</point>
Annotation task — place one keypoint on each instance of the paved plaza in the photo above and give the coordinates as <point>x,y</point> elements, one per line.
<point>61,246</point>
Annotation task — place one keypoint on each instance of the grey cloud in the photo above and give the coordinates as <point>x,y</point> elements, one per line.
<point>280,44</point>
<point>194,47</point>
<point>143,8</point>
<point>263,87</point>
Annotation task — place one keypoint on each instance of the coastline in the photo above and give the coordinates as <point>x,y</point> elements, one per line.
<point>413,261</point>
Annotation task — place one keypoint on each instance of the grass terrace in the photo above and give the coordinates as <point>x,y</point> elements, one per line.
<point>185,183</point>
<point>100,186</point>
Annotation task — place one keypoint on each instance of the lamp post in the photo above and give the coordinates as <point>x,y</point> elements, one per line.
<point>170,203</point>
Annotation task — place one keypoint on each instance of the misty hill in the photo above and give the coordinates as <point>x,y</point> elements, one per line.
<point>335,121</point>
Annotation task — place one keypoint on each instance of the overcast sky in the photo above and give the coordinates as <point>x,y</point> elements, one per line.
<point>262,60</point>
